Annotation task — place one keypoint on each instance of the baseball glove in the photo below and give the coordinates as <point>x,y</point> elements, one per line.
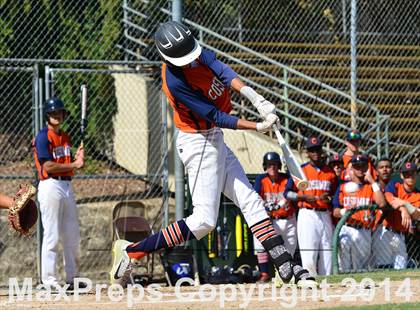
<point>23,214</point>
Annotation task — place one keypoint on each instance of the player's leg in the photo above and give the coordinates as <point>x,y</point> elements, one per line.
<point>382,254</point>
<point>70,234</point>
<point>401,256</point>
<point>262,259</point>
<point>238,189</point>
<point>325,253</point>
<point>361,247</point>
<point>50,203</point>
<point>203,156</point>
<point>309,239</point>
<point>345,262</point>
<point>287,229</point>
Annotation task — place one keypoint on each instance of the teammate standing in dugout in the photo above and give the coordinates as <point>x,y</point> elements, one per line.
<point>197,87</point>
<point>314,223</point>
<point>271,186</point>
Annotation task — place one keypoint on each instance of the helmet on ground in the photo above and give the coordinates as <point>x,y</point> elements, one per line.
<point>271,156</point>
<point>54,104</point>
<point>176,43</point>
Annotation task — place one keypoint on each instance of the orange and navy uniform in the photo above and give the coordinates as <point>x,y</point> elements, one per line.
<point>364,196</point>
<point>50,146</point>
<point>345,174</point>
<point>272,193</point>
<point>199,93</point>
<point>395,189</point>
<point>321,180</point>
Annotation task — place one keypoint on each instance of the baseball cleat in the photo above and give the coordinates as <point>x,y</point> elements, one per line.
<point>302,278</point>
<point>264,277</point>
<point>121,265</point>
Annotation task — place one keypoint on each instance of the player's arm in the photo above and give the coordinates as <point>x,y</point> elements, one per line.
<point>53,167</point>
<point>391,196</point>
<point>257,184</point>
<point>5,201</point>
<point>291,192</point>
<point>199,104</point>
<point>406,209</point>
<point>378,195</point>
<point>338,211</point>
<point>46,159</point>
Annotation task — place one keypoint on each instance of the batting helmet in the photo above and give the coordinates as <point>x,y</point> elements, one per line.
<point>271,156</point>
<point>176,43</point>
<point>54,104</point>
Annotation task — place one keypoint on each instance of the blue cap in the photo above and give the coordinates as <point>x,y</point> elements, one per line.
<point>359,159</point>
<point>313,142</point>
<point>409,167</point>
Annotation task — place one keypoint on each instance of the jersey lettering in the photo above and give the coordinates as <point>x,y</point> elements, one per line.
<point>319,185</point>
<point>216,89</point>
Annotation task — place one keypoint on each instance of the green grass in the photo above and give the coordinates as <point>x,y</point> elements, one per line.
<point>405,306</point>
<point>393,275</point>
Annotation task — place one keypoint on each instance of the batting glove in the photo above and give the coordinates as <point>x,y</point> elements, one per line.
<point>267,124</point>
<point>263,106</point>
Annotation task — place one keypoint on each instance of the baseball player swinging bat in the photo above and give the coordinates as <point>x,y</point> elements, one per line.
<point>83,123</point>
<point>292,164</point>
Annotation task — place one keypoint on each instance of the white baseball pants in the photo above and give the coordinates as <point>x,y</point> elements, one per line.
<point>389,248</point>
<point>355,248</point>
<point>286,228</point>
<point>315,232</point>
<point>212,169</point>
<point>60,221</point>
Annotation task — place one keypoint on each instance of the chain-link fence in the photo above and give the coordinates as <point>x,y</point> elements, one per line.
<point>313,37</point>
<point>125,153</point>
<point>376,241</point>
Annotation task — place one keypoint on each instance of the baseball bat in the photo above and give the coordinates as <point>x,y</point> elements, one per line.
<point>210,245</point>
<point>238,235</point>
<point>225,239</point>
<point>83,122</point>
<point>292,164</point>
<point>219,241</point>
<point>246,244</point>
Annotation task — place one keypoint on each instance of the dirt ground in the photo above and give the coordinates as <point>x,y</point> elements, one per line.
<point>248,296</point>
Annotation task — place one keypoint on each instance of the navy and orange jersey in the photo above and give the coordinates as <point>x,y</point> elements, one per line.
<point>50,146</point>
<point>345,176</point>
<point>321,180</point>
<point>272,192</point>
<point>395,189</point>
<point>364,196</point>
<point>199,93</point>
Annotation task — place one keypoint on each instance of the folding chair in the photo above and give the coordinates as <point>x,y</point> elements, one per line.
<point>129,223</point>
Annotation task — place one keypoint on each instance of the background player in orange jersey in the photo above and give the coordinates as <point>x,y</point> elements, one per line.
<point>380,256</point>
<point>271,186</point>
<point>405,200</point>
<point>355,235</point>
<point>57,203</point>
<point>314,218</point>
<point>197,86</point>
